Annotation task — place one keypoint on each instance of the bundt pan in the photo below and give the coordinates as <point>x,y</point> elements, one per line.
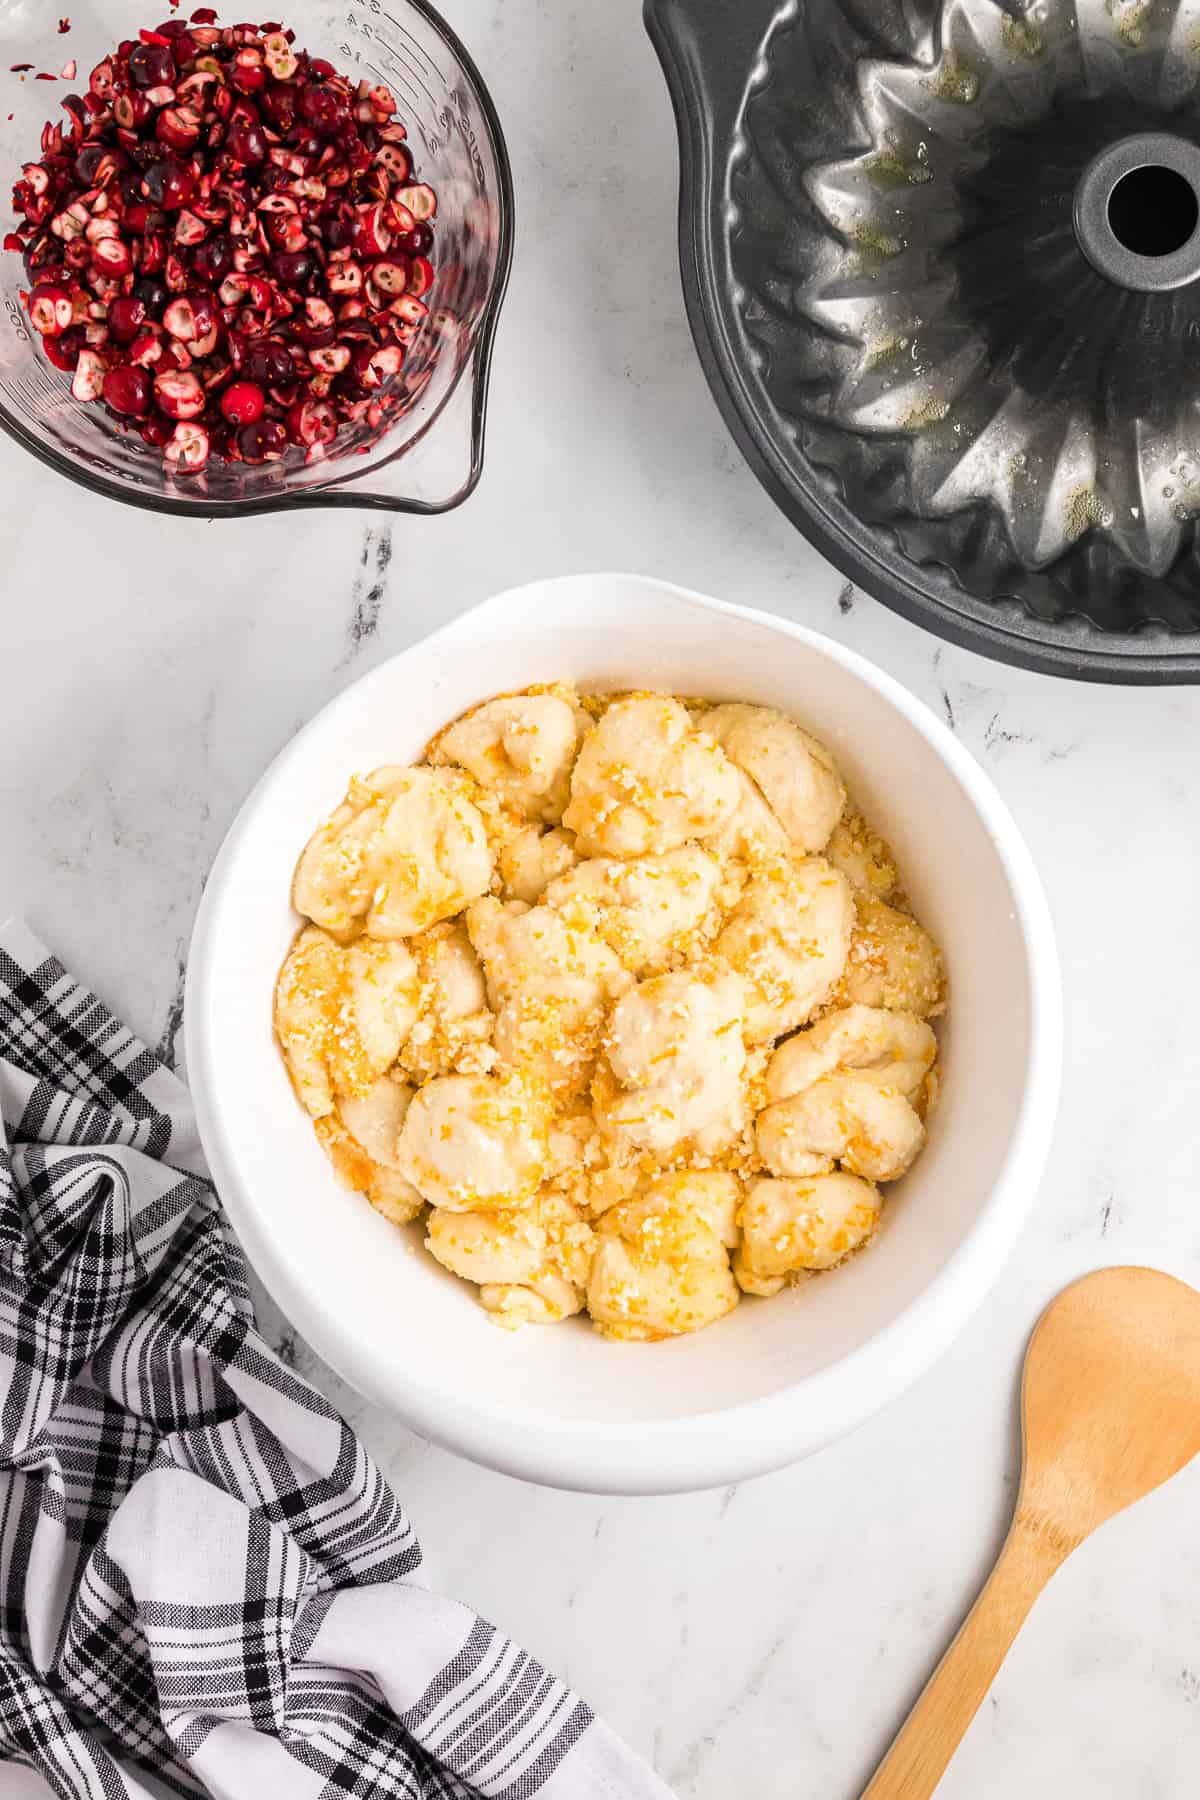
<point>942,264</point>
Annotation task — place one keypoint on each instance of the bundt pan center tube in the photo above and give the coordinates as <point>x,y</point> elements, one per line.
<point>942,265</point>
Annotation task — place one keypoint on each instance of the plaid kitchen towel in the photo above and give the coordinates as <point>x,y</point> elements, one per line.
<point>206,1586</point>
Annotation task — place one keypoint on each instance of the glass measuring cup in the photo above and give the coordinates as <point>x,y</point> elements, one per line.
<point>429,455</point>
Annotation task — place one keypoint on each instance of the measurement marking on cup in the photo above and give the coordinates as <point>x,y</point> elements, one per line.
<point>411,73</point>
<point>17,322</point>
<point>423,54</point>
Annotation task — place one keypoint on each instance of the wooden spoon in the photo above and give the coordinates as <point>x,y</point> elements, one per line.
<point>1110,1408</point>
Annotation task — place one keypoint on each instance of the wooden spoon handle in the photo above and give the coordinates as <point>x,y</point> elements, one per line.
<point>934,1728</point>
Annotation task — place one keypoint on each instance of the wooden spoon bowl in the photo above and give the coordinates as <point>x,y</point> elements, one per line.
<point>1110,1409</point>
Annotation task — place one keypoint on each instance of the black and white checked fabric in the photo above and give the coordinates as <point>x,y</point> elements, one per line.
<point>206,1586</point>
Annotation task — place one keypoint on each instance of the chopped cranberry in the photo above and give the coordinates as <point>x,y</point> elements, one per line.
<point>126,317</point>
<point>213,260</point>
<point>151,65</point>
<point>168,184</point>
<point>179,394</point>
<point>321,108</point>
<point>249,72</point>
<point>153,295</point>
<point>270,364</point>
<point>178,127</point>
<point>227,235</point>
<point>87,163</point>
<point>279,104</point>
<point>417,242</point>
<point>295,268</point>
<point>264,441</point>
<point>158,430</point>
<point>128,391</point>
<point>246,142</point>
<point>64,351</point>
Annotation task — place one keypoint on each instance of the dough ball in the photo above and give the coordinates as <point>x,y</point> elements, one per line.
<point>661,1266</point>
<point>342,1014</point>
<point>475,1143</point>
<point>791,1227</point>
<point>550,986</point>
<point>531,1264</point>
<point>752,831</point>
<point>406,849</point>
<point>647,780</point>
<point>788,937</point>
<point>795,773</point>
<point>453,1029</point>
<point>675,1046</point>
<point>362,1141</point>
<point>534,858</point>
<point>522,747</point>
<point>893,962</point>
<point>862,856</point>
<point>650,910</point>
<point>873,1130</point>
<point>894,1050</point>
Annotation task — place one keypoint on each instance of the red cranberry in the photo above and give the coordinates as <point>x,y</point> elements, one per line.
<point>279,105</point>
<point>188,449</point>
<point>126,316</point>
<point>151,65</point>
<point>391,275</point>
<point>213,260</point>
<point>64,351</point>
<point>50,310</point>
<point>321,108</point>
<point>243,403</point>
<point>179,394</point>
<point>417,242</point>
<point>395,162</point>
<point>190,317</point>
<point>178,127</point>
<point>128,391</point>
<point>87,163</point>
<point>168,184</point>
<point>262,442</point>
<point>270,364</point>
<point>153,295</point>
<point>248,72</point>
<point>420,278</point>
<point>87,383</point>
<point>246,142</point>
<point>421,201</point>
<point>131,111</point>
<point>158,430</point>
<point>111,256</point>
<point>306,144</point>
<point>294,268</point>
<point>340,231</point>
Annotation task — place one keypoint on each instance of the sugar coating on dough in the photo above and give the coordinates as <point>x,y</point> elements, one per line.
<point>623,997</point>
<point>648,780</point>
<point>794,773</point>
<point>522,746</point>
<point>406,848</point>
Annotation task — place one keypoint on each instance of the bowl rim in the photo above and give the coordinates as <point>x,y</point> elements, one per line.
<point>681,1455</point>
<point>479,362</point>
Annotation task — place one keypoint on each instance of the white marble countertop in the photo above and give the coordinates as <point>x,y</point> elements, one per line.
<point>764,1641</point>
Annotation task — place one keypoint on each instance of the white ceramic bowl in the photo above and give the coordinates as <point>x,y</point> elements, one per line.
<point>776,1380</point>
